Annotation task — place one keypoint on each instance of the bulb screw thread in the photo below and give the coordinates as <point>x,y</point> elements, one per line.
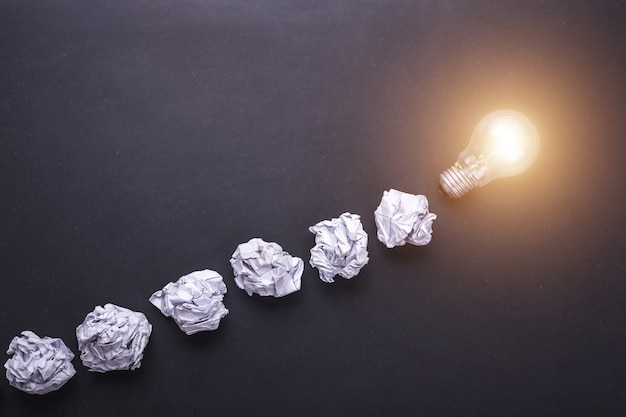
<point>455,182</point>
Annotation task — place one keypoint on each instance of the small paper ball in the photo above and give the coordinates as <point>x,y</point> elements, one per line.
<point>113,338</point>
<point>266,269</point>
<point>194,301</point>
<point>403,218</point>
<point>39,365</point>
<point>340,247</point>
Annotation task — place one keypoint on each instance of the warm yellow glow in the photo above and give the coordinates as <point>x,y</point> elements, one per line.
<point>504,143</point>
<point>507,133</point>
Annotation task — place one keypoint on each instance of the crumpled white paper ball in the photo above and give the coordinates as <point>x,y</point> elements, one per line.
<point>113,338</point>
<point>39,365</point>
<point>195,301</point>
<point>266,269</point>
<point>340,247</point>
<point>404,218</point>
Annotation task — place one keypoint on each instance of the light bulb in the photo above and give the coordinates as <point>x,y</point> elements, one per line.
<point>504,143</point>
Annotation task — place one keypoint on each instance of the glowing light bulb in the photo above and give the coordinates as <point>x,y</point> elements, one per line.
<point>504,143</point>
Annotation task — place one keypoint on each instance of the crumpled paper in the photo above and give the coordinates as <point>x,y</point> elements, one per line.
<point>113,338</point>
<point>39,365</point>
<point>404,218</point>
<point>266,269</point>
<point>340,247</point>
<point>194,301</point>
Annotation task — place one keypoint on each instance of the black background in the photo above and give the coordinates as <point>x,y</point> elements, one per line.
<point>143,140</point>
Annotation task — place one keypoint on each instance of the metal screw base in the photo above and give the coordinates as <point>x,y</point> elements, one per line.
<point>455,182</point>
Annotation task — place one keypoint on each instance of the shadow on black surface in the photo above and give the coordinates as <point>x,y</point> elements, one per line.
<point>203,339</point>
<point>208,338</point>
<point>114,378</point>
<point>406,255</point>
<point>343,288</point>
<point>272,304</point>
<point>39,404</point>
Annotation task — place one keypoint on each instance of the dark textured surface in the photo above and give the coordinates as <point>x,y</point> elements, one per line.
<point>142,140</point>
